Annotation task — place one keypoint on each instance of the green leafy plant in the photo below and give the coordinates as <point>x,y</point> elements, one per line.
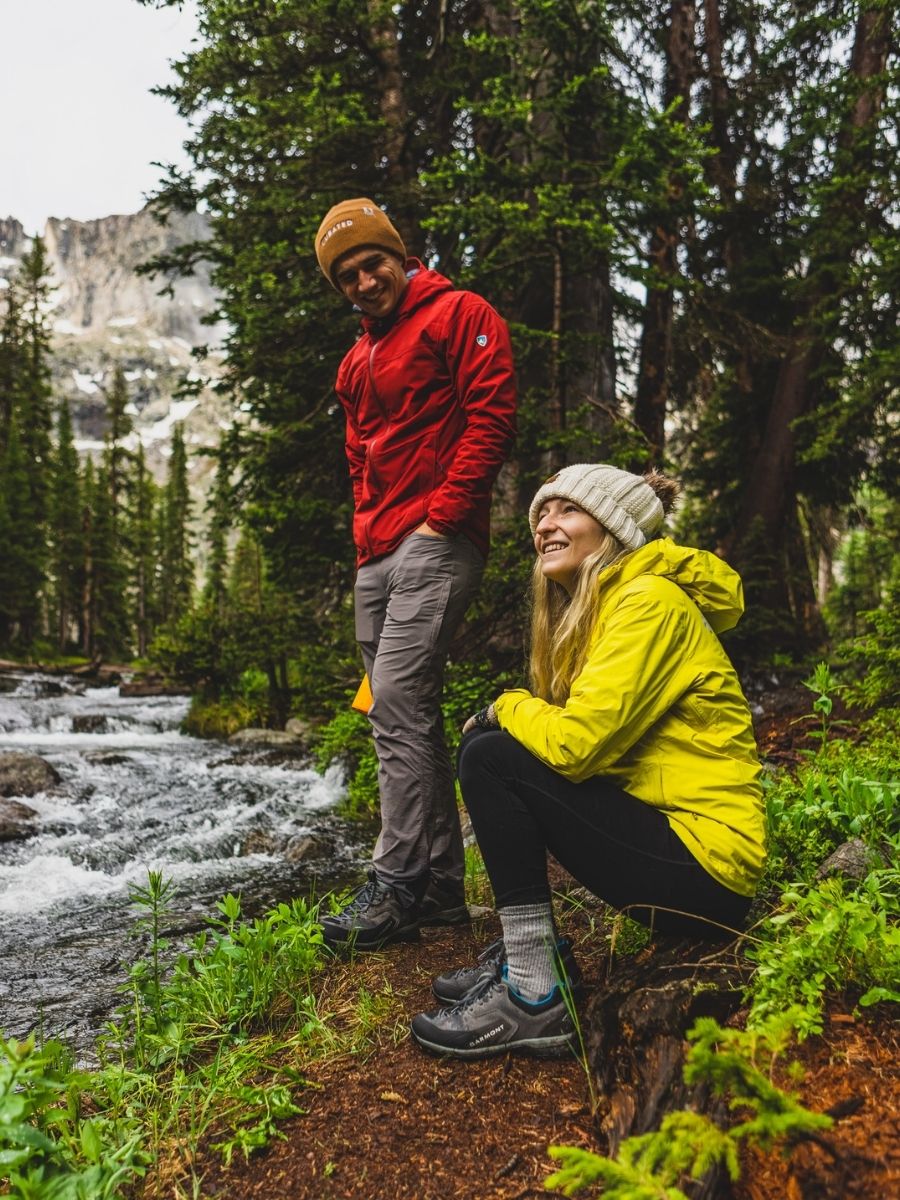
<point>347,738</point>
<point>808,817</point>
<point>824,684</point>
<point>830,937</point>
<point>687,1145</point>
<point>49,1147</point>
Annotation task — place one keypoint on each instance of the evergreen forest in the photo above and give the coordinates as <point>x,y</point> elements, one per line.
<point>687,212</point>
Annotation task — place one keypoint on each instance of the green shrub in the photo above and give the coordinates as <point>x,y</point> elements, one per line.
<point>808,817</point>
<point>48,1146</point>
<point>831,938</point>
<point>651,1166</point>
<point>347,737</point>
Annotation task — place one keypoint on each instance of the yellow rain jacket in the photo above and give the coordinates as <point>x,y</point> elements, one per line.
<point>658,709</point>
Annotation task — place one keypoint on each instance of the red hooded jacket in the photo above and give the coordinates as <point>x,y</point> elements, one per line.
<point>430,399</point>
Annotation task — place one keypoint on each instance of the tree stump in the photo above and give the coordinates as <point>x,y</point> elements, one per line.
<point>635,1036</point>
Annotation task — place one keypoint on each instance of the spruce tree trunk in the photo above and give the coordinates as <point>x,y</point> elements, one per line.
<point>656,336</point>
<point>770,498</point>
<point>386,47</point>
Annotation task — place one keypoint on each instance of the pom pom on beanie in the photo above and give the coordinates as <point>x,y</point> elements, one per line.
<point>623,503</point>
<point>352,224</point>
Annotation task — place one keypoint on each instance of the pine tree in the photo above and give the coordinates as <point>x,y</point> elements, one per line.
<point>11,365</point>
<point>142,541</point>
<point>176,581</point>
<point>734,160</point>
<point>23,552</point>
<point>215,589</point>
<point>119,425</point>
<point>67,545</point>
<point>109,574</point>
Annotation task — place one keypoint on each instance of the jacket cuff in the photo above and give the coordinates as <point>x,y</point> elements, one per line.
<point>440,527</point>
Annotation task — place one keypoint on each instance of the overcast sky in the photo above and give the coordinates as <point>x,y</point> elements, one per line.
<point>80,125</point>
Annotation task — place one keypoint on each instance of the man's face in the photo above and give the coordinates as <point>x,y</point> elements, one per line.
<point>372,279</point>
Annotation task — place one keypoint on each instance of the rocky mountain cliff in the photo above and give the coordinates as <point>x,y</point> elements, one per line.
<point>103,314</point>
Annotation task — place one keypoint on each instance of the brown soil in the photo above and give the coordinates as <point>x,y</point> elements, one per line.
<point>396,1124</point>
<point>400,1125</point>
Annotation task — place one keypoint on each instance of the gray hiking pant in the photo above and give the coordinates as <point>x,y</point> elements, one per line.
<point>408,606</point>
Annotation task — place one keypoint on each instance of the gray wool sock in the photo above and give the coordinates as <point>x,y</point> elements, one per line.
<point>529,935</point>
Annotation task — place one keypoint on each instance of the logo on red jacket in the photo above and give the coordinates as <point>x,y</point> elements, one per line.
<point>481,340</point>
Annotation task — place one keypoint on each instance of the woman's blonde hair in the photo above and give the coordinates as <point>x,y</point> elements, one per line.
<point>562,624</point>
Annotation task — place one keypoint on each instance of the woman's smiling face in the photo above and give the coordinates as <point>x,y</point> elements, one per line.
<point>564,537</point>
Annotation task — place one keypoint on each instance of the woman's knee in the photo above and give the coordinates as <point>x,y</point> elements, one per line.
<point>480,751</point>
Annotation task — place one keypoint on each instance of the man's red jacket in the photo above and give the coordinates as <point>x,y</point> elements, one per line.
<point>430,400</point>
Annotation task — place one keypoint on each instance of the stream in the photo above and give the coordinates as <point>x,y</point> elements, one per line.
<point>137,794</point>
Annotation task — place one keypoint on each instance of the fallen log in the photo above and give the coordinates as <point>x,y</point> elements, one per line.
<point>635,1028</point>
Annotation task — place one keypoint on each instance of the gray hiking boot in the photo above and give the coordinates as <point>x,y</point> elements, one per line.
<point>376,915</point>
<point>493,1019</point>
<point>454,986</point>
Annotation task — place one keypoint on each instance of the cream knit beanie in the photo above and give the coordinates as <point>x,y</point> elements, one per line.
<point>623,503</point>
<point>349,226</point>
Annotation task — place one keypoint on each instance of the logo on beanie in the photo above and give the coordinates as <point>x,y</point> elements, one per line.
<point>481,339</point>
<point>333,230</point>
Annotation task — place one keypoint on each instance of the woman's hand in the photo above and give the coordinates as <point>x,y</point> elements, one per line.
<point>486,718</point>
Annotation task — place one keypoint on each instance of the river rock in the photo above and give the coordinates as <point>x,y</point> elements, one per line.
<point>26,774</point>
<point>107,758</point>
<point>854,859</point>
<point>300,847</point>
<point>15,821</point>
<point>297,728</point>
<point>259,841</point>
<point>90,723</point>
<point>152,686</point>
<point>265,738</point>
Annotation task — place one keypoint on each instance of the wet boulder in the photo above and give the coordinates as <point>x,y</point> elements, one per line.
<point>16,821</point>
<point>26,774</point>
<point>265,738</point>
<point>301,846</point>
<point>854,859</point>
<point>107,758</point>
<point>152,685</point>
<point>298,728</point>
<point>90,723</point>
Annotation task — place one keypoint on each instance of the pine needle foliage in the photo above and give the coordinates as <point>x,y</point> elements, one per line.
<point>733,1063</point>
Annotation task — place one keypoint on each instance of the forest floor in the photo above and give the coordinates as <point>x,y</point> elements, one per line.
<point>395,1124</point>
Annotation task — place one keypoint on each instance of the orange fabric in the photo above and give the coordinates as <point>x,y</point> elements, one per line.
<point>362,701</point>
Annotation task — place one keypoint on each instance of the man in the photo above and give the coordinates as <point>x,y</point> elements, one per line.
<point>429,396</point>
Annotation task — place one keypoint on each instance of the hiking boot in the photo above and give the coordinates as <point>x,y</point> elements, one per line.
<point>493,1019</point>
<point>443,905</point>
<point>456,985</point>
<point>376,915</point>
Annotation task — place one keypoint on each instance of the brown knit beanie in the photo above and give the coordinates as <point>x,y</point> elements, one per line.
<point>351,225</point>
<point>623,503</point>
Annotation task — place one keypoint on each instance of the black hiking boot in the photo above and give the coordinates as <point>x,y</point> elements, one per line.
<point>443,905</point>
<point>493,1019</point>
<point>376,915</point>
<point>454,986</point>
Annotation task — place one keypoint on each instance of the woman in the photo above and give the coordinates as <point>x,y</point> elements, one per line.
<point>632,759</point>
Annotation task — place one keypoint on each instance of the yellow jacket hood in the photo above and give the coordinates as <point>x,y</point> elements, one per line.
<point>714,587</point>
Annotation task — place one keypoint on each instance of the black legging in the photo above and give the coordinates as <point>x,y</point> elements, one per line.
<point>618,847</point>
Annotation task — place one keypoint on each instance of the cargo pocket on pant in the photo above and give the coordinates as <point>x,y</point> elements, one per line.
<point>422,586</point>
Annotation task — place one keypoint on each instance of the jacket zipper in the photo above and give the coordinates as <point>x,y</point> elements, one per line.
<point>375,395</point>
